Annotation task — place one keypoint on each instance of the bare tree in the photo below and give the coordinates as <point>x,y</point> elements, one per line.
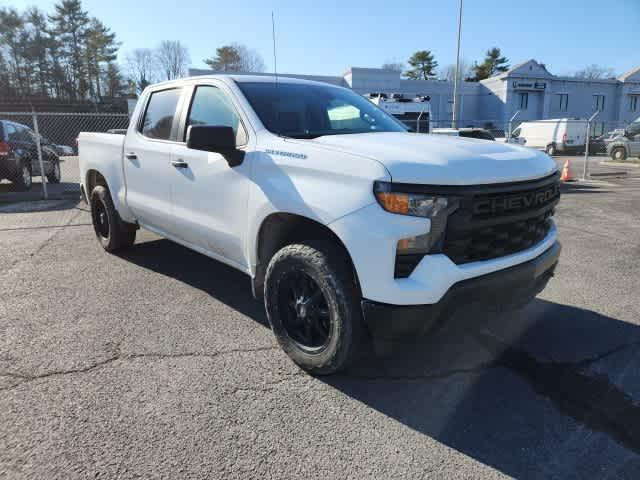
<point>142,67</point>
<point>172,58</point>
<point>449,72</point>
<point>595,72</point>
<point>250,60</point>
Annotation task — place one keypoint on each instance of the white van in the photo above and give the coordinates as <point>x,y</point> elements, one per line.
<point>560,135</point>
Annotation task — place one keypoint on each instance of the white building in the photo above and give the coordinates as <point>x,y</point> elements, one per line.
<point>528,87</point>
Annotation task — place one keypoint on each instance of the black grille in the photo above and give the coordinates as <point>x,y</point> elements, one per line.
<point>498,220</point>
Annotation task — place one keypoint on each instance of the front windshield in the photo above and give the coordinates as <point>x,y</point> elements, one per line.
<point>301,110</point>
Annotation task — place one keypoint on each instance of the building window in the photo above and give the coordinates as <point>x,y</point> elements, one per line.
<point>633,103</point>
<point>524,100</point>
<point>598,103</point>
<point>563,102</point>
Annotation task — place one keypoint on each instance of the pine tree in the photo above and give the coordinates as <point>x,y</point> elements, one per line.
<point>101,47</point>
<point>493,64</point>
<point>424,66</point>
<point>70,24</point>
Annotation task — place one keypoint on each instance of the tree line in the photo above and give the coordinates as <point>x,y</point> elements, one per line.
<point>423,66</point>
<point>65,54</point>
<point>70,56</point>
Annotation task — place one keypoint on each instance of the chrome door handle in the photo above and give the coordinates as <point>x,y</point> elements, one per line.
<point>179,163</point>
<point>131,156</point>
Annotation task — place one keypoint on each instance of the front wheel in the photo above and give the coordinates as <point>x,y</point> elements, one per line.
<point>112,233</point>
<point>313,305</point>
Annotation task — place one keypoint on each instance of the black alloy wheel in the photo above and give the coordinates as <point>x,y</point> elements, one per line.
<point>101,220</point>
<point>307,318</point>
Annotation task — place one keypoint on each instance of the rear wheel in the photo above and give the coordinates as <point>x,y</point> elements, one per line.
<point>112,233</point>
<point>55,175</point>
<point>619,154</point>
<point>313,306</point>
<point>551,149</point>
<point>23,178</point>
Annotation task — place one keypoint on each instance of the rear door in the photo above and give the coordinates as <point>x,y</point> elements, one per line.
<point>147,159</point>
<point>209,196</point>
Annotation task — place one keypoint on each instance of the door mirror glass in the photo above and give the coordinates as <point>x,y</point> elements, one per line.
<point>215,138</point>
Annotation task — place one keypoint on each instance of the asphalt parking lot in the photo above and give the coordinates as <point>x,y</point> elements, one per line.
<point>157,363</point>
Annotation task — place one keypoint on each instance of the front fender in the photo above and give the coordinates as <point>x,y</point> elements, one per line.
<point>318,185</point>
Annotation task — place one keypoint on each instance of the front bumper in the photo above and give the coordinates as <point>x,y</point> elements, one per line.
<point>494,292</point>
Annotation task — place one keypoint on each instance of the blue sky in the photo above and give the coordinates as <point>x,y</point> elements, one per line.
<point>326,37</point>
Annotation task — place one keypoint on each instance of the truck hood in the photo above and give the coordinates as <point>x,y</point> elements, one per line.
<point>443,160</point>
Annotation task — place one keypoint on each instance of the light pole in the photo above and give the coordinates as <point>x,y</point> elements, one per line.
<point>454,118</point>
<point>585,171</point>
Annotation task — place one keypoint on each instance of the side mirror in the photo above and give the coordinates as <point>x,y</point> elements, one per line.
<point>213,138</point>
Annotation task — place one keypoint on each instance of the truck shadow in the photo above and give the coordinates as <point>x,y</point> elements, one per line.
<point>541,392</point>
<point>226,284</point>
<point>548,391</point>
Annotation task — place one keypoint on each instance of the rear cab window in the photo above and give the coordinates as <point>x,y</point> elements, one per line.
<point>158,120</point>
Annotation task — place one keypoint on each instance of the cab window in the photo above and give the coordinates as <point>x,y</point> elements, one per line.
<point>210,106</point>
<point>158,118</point>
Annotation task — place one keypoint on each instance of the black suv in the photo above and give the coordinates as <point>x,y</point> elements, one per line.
<point>19,156</point>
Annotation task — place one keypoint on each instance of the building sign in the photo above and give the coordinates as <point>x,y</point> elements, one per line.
<point>529,85</point>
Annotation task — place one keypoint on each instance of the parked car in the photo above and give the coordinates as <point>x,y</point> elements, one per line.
<point>467,132</point>
<point>19,156</point>
<point>561,135</point>
<point>625,144</point>
<point>346,224</point>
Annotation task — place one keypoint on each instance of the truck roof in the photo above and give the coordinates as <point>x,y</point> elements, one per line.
<point>241,78</point>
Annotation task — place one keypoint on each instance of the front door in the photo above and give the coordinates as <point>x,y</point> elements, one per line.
<point>147,160</point>
<point>209,196</point>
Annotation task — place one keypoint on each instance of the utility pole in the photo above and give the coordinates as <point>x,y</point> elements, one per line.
<point>454,118</point>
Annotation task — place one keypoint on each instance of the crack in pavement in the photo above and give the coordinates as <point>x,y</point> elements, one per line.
<point>44,243</point>
<point>119,357</point>
<point>41,227</point>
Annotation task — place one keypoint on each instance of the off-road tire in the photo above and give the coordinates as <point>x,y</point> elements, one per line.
<point>619,154</point>
<point>118,234</point>
<point>328,266</point>
<point>23,180</point>
<point>55,176</point>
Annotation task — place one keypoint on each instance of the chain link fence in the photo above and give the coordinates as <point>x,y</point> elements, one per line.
<point>39,150</point>
<point>617,139</point>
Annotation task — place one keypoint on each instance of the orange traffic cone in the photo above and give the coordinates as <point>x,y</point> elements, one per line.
<point>566,173</point>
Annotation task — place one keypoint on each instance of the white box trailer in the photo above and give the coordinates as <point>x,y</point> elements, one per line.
<point>560,135</point>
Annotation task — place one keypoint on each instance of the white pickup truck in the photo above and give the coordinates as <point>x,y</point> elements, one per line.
<point>348,225</point>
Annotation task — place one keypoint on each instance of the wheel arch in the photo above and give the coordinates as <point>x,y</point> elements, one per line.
<point>280,229</point>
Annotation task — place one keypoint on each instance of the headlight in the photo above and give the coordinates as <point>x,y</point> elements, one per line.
<point>410,250</point>
<point>414,204</point>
